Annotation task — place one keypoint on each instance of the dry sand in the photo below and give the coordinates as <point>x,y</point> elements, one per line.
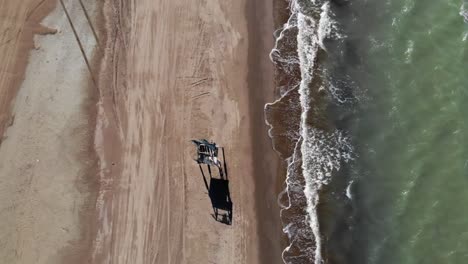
<point>46,155</point>
<point>171,71</point>
<point>175,71</point>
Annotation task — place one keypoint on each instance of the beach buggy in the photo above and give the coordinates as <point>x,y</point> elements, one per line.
<point>218,183</point>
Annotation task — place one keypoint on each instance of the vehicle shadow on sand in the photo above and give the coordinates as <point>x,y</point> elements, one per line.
<point>218,191</point>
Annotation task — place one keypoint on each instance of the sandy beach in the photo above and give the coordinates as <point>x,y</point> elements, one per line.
<point>46,155</point>
<point>96,163</point>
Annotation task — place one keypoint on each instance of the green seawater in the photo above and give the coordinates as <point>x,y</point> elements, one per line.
<point>410,174</point>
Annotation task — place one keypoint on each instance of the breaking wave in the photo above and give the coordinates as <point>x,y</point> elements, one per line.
<point>464,14</point>
<point>464,11</point>
<point>316,149</point>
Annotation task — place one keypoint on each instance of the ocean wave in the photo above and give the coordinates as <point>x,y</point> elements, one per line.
<point>328,27</point>
<point>349,193</point>
<point>322,151</point>
<point>464,14</point>
<point>319,149</point>
<point>295,216</point>
<point>464,11</point>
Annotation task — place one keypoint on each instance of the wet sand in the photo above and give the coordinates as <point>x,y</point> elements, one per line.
<point>165,72</point>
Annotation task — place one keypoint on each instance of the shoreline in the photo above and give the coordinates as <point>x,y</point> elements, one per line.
<point>282,115</point>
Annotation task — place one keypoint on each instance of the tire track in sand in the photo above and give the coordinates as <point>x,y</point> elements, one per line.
<point>177,84</point>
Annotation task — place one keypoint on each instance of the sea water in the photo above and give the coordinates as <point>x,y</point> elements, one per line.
<point>378,167</point>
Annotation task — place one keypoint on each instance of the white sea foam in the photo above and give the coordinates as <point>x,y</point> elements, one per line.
<point>297,228</point>
<point>342,91</point>
<point>275,53</point>
<point>464,14</point>
<point>288,62</point>
<point>307,51</point>
<point>409,52</point>
<point>322,152</point>
<point>348,191</point>
<point>294,135</point>
<point>327,28</point>
<point>464,11</point>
